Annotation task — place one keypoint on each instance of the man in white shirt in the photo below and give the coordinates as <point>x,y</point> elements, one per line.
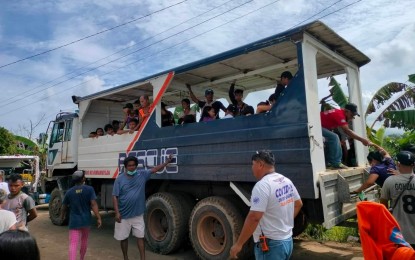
<point>275,203</point>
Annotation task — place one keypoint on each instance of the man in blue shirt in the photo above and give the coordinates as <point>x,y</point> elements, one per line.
<point>128,196</point>
<point>80,199</point>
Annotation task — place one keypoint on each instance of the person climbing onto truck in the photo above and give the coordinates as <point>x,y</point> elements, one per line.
<point>79,199</point>
<point>331,119</point>
<point>128,196</point>
<point>382,167</point>
<point>217,105</point>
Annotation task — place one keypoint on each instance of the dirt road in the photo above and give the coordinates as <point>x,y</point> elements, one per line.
<point>53,244</point>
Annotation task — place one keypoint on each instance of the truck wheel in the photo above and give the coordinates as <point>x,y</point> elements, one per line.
<point>187,202</point>
<point>300,223</point>
<point>55,207</point>
<point>166,223</point>
<point>214,226</point>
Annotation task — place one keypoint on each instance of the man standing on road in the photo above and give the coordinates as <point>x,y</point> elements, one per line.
<point>80,199</point>
<point>331,119</point>
<point>275,203</point>
<point>399,190</point>
<point>18,202</point>
<point>128,196</point>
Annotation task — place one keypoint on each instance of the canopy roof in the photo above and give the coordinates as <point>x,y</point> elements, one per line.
<point>256,66</point>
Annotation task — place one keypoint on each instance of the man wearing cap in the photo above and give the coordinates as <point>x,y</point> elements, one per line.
<point>217,105</point>
<point>236,96</point>
<point>275,203</point>
<point>285,79</point>
<point>80,199</point>
<point>398,195</point>
<point>330,120</point>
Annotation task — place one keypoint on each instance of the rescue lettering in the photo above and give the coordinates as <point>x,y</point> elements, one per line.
<point>147,159</point>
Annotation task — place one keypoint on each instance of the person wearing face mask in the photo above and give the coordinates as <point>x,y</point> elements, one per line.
<point>128,196</point>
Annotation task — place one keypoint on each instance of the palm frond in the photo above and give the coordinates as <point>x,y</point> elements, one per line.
<point>401,119</point>
<point>411,78</point>
<point>383,95</point>
<point>337,93</point>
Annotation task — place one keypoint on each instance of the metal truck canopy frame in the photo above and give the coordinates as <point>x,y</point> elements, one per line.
<point>276,54</point>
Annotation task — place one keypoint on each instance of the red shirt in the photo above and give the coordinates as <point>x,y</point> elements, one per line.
<point>333,118</point>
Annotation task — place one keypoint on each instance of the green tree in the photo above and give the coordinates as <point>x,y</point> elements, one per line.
<point>7,142</point>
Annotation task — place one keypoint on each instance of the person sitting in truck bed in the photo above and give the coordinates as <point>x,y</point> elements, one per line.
<point>217,105</point>
<point>236,96</point>
<point>137,107</point>
<point>99,131</point>
<point>92,134</point>
<point>266,106</point>
<point>186,111</point>
<point>109,130</point>
<point>132,125</point>
<point>330,120</point>
<point>285,79</point>
<point>167,118</point>
<point>144,111</point>
<point>128,115</point>
<point>231,111</point>
<point>115,125</point>
<point>208,114</point>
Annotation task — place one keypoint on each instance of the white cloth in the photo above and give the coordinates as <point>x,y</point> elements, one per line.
<point>227,116</point>
<point>5,186</point>
<point>7,220</point>
<point>274,195</point>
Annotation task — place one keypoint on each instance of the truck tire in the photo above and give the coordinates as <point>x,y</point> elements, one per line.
<point>187,202</point>
<point>300,223</point>
<point>214,226</point>
<point>166,222</point>
<point>55,208</point>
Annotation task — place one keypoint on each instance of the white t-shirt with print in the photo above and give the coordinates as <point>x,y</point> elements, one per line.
<point>274,195</point>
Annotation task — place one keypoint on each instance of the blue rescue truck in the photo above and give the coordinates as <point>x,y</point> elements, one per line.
<point>204,194</point>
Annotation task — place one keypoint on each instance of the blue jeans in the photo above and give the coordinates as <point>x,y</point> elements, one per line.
<point>278,250</point>
<point>334,155</point>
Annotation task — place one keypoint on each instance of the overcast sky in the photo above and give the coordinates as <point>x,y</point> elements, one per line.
<point>383,29</point>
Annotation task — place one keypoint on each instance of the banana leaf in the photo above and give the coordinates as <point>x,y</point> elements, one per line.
<point>405,100</point>
<point>401,119</point>
<point>411,78</point>
<point>383,95</point>
<point>337,93</point>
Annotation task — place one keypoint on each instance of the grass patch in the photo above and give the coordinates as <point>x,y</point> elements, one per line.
<point>337,233</point>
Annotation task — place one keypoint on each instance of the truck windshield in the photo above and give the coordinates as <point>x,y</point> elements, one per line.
<point>57,133</point>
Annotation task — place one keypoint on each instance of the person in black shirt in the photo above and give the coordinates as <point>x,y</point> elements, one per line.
<point>236,96</point>
<point>217,105</point>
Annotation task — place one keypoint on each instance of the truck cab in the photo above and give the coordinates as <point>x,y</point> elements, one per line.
<point>205,191</point>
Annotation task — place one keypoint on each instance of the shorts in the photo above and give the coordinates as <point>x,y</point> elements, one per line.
<point>122,230</point>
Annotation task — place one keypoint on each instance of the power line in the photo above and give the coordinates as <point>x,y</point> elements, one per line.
<point>72,87</point>
<point>128,54</point>
<point>30,92</point>
<point>91,35</point>
<point>315,14</point>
